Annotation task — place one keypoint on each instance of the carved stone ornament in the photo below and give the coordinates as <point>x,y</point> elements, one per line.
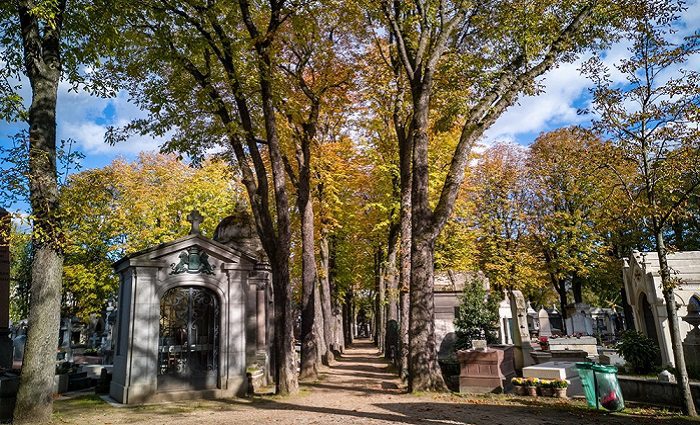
<point>193,260</point>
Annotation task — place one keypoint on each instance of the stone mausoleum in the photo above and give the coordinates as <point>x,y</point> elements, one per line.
<point>644,294</point>
<point>193,314</point>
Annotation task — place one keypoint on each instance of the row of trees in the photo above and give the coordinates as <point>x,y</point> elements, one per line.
<point>279,86</point>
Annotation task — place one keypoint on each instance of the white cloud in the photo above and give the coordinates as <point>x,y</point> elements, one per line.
<point>85,119</point>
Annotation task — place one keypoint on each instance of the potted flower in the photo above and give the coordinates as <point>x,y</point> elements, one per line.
<point>546,388</point>
<point>532,384</point>
<point>543,341</point>
<point>559,387</point>
<point>518,386</point>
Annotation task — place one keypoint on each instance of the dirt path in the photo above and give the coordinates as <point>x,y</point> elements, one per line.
<point>359,389</point>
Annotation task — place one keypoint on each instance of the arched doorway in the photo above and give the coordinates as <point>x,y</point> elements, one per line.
<point>188,344</point>
<point>649,322</point>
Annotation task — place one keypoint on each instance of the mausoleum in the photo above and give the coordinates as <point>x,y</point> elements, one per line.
<point>192,315</point>
<point>644,294</point>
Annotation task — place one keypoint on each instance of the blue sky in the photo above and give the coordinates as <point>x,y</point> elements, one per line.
<point>84,118</point>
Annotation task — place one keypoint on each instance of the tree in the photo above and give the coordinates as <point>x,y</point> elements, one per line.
<point>531,40</point>
<point>477,315</point>
<point>125,207</point>
<point>44,41</point>
<point>651,118</point>
<point>570,197</point>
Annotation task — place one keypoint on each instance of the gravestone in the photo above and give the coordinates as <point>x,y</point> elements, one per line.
<point>521,334</point>
<point>545,327</point>
<point>5,341</point>
<point>187,320</point>
<point>579,319</point>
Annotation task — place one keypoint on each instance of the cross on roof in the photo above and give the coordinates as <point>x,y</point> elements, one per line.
<point>196,219</point>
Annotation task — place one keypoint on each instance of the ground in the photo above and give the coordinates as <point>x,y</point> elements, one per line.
<point>359,389</point>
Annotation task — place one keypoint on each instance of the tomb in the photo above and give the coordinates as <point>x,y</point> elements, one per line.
<point>192,316</point>
<point>5,341</point>
<point>488,369</point>
<point>644,294</point>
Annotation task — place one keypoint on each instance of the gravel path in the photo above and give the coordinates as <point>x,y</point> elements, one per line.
<point>358,389</point>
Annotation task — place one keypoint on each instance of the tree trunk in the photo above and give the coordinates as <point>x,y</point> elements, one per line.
<point>392,296</point>
<point>424,370</point>
<point>577,287</point>
<point>319,326</point>
<point>671,310</point>
<point>380,315</point>
<point>326,305</point>
<point>405,155</point>
<point>563,302</point>
<point>348,324</point>
<point>309,337</point>
<point>43,67</point>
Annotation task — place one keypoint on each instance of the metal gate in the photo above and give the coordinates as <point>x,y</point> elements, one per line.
<point>188,344</point>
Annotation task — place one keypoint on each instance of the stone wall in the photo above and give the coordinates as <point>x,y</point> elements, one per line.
<point>653,391</point>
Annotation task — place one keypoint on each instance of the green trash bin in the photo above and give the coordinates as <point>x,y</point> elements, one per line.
<point>600,386</point>
<point>607,389</point>
<point>585,372</point>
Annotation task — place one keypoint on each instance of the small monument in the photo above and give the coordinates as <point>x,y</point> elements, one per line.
<point>545,327</point>
<point>485,369</point>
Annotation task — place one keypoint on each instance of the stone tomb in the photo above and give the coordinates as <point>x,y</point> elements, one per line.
<point>486,370</point>
<point>557,370</point>
<point>188,320</point>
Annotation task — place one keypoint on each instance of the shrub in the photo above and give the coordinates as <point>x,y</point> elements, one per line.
<point>477,316</point>
<point>640,351</point>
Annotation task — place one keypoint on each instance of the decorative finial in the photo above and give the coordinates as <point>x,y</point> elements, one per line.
<point>196,219</point>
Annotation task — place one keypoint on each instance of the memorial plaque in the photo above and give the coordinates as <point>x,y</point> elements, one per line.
<point>479,344</point>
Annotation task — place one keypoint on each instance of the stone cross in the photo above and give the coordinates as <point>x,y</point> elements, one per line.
<point>196,219</point>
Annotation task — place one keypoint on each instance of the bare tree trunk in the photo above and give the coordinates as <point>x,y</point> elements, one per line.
<point>42,57</point>
<point>405,153</point>
<point>671,310</point>
<point>319,325</point>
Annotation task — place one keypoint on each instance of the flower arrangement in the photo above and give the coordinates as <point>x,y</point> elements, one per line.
<point>532,382</point>
<point>546,388</point>
<point>559,383</point>
<point>517,381</point>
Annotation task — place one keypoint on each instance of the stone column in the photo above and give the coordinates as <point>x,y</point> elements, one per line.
<point>521,334</point>
<point>5,341</point>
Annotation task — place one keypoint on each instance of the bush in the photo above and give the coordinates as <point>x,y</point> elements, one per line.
<point>640,351</point>
<point>477,316</point>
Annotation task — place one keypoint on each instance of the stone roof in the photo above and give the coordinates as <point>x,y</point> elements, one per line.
<point>452,281</point>
<point>683,264</point>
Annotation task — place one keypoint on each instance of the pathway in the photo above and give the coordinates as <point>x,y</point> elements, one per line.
<point>358,389</point>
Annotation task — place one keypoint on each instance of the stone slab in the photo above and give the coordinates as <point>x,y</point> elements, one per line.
<point>557,370</point>
<point>586,343</point>
<point>94,370</point>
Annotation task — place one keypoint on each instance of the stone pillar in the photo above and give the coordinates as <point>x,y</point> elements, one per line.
<point>5,341</point>
<point>257,319</point>
<point>521,335</point>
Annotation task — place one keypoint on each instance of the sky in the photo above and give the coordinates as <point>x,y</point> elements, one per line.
<point>84,118</point>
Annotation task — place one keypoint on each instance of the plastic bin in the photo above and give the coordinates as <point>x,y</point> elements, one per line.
<point>600,386</point>
<point>585,371</point>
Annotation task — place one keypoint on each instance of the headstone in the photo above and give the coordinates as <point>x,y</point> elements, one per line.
<point>691,343</point>
<point>545,327</point>
<point>579,319</point>
<point>521,334</point>
<point>5,341</point>
<point>505,321</point>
